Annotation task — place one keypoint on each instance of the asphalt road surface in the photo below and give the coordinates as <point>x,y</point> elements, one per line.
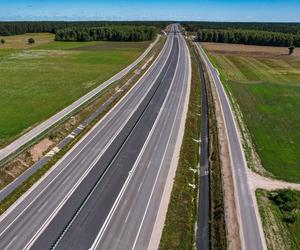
<point>36,131</point>
<point>106,191</point>
<point>251,235</point>
<point>202,241</point>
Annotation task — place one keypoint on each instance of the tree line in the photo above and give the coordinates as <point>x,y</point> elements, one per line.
<point>18,28</point>
<point>250,37</point>
<point>107,33</point>
<point>293,28</point>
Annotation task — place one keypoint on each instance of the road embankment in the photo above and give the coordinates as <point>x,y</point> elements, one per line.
<point>89,116</point>
<point>222,186</point>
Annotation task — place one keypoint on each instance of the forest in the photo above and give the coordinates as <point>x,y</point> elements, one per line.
<point>292,28</point>
<point>251,37</point>
<point>107,33</point>
<point>18,28</point>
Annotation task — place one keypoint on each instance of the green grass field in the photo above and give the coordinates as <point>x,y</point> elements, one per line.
<point>38,82</point>
<point>279,233</point>
<point>267,88</point>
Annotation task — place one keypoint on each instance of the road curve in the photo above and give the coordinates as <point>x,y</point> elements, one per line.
<point>251,233</point>
<point>39,129</point>
<point>99,165</point>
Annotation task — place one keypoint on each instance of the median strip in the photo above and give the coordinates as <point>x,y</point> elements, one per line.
<point>183,202</point>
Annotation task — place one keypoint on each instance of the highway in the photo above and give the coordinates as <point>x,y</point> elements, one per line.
<point>44,126</point>
<point>105,193</point>
<point>251,233</point>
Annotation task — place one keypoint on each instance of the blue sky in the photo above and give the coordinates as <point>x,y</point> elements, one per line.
<point>207,10</point>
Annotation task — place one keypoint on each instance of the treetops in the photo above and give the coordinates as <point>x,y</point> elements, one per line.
<point>251,37</point>
<point>107,33</point>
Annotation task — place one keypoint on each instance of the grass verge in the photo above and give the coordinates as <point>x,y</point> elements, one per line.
<point>60,133</point>
<point>217,212</point>
<point>264,88</point>
<point>179,229</point>
<point>37,83</point>
<point>218,238</point>
<point>280,231</point>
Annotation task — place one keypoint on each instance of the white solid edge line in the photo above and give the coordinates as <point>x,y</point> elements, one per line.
<point>74,147</point>
<point>102,118</point>
<point>241,231</point>
<point>131,172</point>
<point>162,211</point>
<point>60,205</point>
<point>243,156</point>
<point>69,152</point>
<point>27,137</point>
<point>154,185</point>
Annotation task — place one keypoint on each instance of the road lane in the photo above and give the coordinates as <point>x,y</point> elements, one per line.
<point>30,221</point>
<point>39,129</point>
<point>132,222</point>
<point>25,217</point>
<point>251,230</point>
<point>119,160</point>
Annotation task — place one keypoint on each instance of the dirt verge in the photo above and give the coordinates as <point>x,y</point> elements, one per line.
<point>232,226</point>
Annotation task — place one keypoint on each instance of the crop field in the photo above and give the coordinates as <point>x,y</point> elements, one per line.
<point>37,82</point>
<point>265,81</point>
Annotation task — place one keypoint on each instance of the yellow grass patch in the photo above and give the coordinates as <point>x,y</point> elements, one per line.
<point>21,41</point>
<point>258,51</point>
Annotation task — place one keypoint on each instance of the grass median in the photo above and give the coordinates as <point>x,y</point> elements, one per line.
<point>179,229</point>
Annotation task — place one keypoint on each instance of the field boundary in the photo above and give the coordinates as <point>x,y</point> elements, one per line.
<point>232,217</point>
<point>252,157</point>
<point>218,221</point>
<point>278,231</point>
<point>32,136</point>
<point>34,179</point>
<point>254,154</point>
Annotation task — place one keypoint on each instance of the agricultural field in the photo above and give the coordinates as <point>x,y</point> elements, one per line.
<point>280,214</point>
<point>265,81</point>
<point>21,41</point>
<point>39,80</point>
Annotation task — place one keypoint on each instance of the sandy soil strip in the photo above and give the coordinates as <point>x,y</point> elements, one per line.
<point>232,225</point>
<point>258,181</point>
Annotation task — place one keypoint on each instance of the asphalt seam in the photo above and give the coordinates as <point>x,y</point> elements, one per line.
<point>100,235</point>
<point>48,221</point>
<point>118,151</point>
<point>81,140</point>
<point>166,194</point>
